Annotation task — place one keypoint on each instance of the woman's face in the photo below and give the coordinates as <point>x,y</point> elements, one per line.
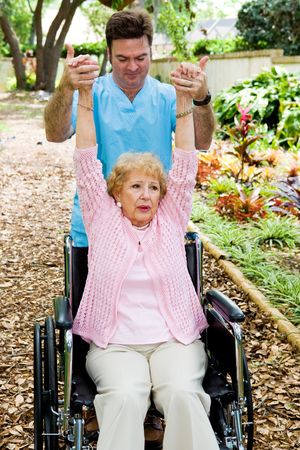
<point>139,197</point>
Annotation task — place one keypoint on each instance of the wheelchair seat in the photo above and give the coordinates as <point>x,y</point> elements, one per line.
<point>226,381</point>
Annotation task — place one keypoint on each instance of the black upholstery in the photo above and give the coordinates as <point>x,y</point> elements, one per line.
<point>193,251</point>
<point>227,308</point>
<point>220,345</point>
<point>79,275</point>
<point>63,314</point>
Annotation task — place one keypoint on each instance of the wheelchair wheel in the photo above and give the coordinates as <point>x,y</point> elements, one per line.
<point>38,389</point>
<point>249,427</point>
<point>50,384</point>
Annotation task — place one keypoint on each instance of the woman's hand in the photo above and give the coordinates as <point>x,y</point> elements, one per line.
<point>191,80</point>
<point>80,71</point>
<point>185,84</point>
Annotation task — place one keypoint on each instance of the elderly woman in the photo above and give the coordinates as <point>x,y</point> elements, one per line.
<point>139,310</point>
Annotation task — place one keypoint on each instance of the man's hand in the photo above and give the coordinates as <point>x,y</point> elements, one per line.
<point>79,72</point>
<point>191,79</point>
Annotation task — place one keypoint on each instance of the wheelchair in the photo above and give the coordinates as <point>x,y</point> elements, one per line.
<point>64,393</point>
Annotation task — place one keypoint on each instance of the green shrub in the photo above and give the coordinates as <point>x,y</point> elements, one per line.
<point>4,49</point>
<point>220,46</point>
<point>269,96</point>
<point>11,83</point>
<point>87,48</point>
<point>221,185</point>
<point>277,231</point>
<point>271,23</point>
<point>246,246</point>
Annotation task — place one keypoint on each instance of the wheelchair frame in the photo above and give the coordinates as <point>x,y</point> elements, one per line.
<point>227,379</point>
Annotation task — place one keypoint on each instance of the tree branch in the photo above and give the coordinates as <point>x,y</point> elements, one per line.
<point>30,7</point>
<point>66,9</point>
<point>38,23</point>
<point>66,26</point>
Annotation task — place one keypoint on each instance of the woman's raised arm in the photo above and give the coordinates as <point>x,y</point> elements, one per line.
<point>85,127</point>
<point>184,135</point>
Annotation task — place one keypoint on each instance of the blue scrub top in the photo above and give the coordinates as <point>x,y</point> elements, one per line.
<point>143,125</point>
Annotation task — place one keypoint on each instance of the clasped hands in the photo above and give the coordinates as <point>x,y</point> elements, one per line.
<point>191,79</point>
<point>80,71</point>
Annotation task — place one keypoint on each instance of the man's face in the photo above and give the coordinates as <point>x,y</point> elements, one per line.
<point>130,60</point>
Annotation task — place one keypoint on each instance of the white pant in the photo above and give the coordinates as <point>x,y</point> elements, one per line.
<point>126,375</point>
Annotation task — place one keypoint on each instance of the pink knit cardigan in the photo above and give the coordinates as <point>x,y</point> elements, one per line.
<point>113,247</point>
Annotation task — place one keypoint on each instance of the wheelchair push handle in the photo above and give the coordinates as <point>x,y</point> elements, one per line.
<point>63,313</point>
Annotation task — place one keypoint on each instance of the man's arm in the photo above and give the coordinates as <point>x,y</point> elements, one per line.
<point>78,72</point>
<point>204,125</point>
<point>196,86</point>
<point>57,115</point>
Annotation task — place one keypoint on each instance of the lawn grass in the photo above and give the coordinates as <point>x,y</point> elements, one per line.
<point>267,252</point>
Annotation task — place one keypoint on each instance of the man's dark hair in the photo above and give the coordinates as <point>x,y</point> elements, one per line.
<point>132,24</point>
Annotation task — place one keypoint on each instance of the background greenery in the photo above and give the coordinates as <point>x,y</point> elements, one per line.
<point>274,99</point>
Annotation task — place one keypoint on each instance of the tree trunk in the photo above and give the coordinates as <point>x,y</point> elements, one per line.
<point>17,57</point>
<point>48,54</point>
<point>37,20</point>
<point>51,59</point>
<point>104,64</point>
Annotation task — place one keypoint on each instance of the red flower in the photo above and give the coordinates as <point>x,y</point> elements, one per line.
<point>245,117</point>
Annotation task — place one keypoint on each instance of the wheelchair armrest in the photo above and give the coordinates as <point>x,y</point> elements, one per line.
<point>227,308</point>
<point>63,313</point>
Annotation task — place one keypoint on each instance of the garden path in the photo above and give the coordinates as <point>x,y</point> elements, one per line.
<point>36,188</point>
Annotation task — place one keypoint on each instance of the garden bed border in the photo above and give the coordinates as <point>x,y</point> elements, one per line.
<point>290,331</point>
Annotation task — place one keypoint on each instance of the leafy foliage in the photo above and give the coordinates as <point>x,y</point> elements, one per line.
<point>98,16</point>
<point>245,245</point>
<point>220,46</point>
<point>20,18</point>
<point>208,166</point>
<point>287,200</point>
<point>277,231</point>
<point>176,19</point>
<point>242,140</point>
<point>87,48</point>
<point>289,124</point>
<point>242,206</point>
<point>270,95</point>
<point>221,185</point>
<point>271,24</point>
<point>116,4</point>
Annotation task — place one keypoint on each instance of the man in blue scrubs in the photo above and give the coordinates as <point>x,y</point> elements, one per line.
<point>132,110</point>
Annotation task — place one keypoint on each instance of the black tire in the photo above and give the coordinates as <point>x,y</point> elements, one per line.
<point>38,388</point>
<point>50,384</point>
<point>249,428</point>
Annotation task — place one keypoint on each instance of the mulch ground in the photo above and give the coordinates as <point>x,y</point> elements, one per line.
<point>36,189</point>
